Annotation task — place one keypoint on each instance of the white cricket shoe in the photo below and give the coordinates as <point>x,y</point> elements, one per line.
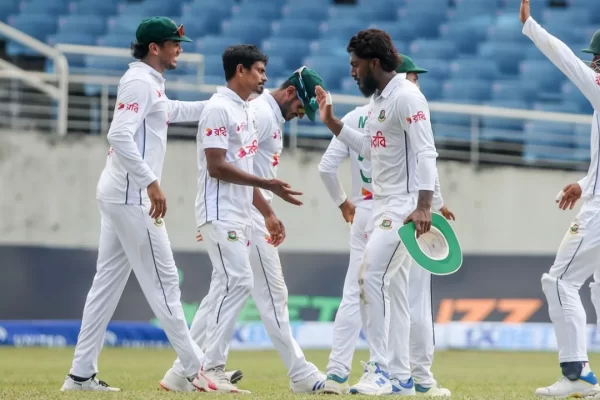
<point>215,380</point>
<point>400,388</point>
<point>335,384</point>
<point>176,383</point>
<point>234,376</point>
<point>92,384</point>
<point>432,391</point>
<point>583,387</point>
<point>374,381</point>
<point>312,384</point>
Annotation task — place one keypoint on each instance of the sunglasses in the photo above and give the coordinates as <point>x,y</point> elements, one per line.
<point>180,31</point>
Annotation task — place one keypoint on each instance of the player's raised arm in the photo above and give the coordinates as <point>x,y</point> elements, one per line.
<point>185,111</point>
<point>414,112</point>
<point>133,103</point>
<point>561,56</point>
<point>356,140</point>
<point>212,132</point>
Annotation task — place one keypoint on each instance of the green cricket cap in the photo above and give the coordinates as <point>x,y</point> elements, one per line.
<point>305,80</point>
<point>594,47</point>
<point>408,65</point>
<point>159,29</point>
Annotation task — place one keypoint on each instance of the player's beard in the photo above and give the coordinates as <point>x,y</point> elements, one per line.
<point>260,89</point>
<point>368,84</point>
<point>286,110</point>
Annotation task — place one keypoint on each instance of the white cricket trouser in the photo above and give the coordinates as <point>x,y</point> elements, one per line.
<point>576,260</point>
<point>350,316</point>
<point>129,239</point>
<point>595,296</point>
<point>270,295</point>
<point>228,245</point>
<point>383,259</point>
<point>422,341</point>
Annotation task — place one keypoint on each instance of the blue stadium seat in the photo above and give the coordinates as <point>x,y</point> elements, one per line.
<point>425,21</point>
<point>474,68</point>
<point>37,25</point>
<point>386,4</point>
<point>7,8</point>
<point>292,51</point>
<point>213,65</point>
<point>296,28</point>
<point>276,66</point>
<point>51,8</point>
<point>466,90</point>
<point>548,141</point>
<point>513,90</point>
<point>301,10</point>
<point>561,107</point>
<point>567,33</point>
<point>260,10</point>
<point>76,61</point>
<point>507,28</point>
<point>349,87</point>
<point>329,47</point>
<point>215,44</point>
<point>366,12</point>
<point>403,32</point>
<point>432,48</point>
<point>570,93</point>
<point>126,24</point>
<point>343,28</point>
<point>331,68</point>
<point>196,26</point>
<point>217,11</point>
<point>543,73</point>
<point>149,7</point>
<point>198,4</point>
<point>582,142</point>
<point>430,87</point>
<point>437,70</point>
<point>465,9</point>
<point>94,7</point>
<point>533,53</point>
<point>251,31</point>
<point>115,40</point>
<point>506,55</point>
<point>78,24</point>
<point>566,16</point>
<point>503,129</point>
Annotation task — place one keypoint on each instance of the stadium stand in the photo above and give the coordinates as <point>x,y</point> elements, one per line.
<point>474,49</point>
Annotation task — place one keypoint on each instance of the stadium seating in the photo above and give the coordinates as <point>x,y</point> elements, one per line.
<point>475,50</point>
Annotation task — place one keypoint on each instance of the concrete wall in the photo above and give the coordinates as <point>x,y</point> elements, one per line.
<point>47,196</point>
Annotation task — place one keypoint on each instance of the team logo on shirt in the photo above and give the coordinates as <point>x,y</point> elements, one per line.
<point>378,140</point>
<point>381,117</point>
<point>386,224</point>
<point>232,236</point>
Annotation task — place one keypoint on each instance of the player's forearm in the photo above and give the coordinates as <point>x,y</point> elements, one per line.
<point>131,159</point>
<point>357,141</point>
<point>261,204</point>
<point>425,199</point>
<point>334,187</point>
<point>227,172</point>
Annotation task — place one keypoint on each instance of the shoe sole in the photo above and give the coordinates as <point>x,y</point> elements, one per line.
<point>236,377</point>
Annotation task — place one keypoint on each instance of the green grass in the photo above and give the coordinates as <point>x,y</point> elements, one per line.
<point>33,373</point>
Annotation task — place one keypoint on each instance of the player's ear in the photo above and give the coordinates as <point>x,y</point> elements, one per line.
<point>239,70</point>
<point>290,92</point>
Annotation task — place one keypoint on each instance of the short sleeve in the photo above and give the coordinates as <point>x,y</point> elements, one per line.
<point>213,128</point>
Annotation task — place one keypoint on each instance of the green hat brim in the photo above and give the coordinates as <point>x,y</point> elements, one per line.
<point>589,51</point>
<point>418,70</point>
<point>310,113</point>
<point>178,38</point>
<point>441,234</point>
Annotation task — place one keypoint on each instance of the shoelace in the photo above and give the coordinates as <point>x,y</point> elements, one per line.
<point>220,374</point>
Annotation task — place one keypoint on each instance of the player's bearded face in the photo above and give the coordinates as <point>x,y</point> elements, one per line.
<point>257,77</point>
<point>367,84</point>
<point>292,107</point>
<point>169,52</point>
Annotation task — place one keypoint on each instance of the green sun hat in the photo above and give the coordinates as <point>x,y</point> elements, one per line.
<point>408,65</point>
<point>159,29</point>
<point>305,80</point>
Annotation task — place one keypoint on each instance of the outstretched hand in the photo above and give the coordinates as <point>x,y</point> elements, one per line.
<point>525,11</point>
<point>325,104</point>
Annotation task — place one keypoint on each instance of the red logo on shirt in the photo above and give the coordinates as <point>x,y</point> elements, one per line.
<point>120,106</point>
<point>208,132</point>
<point>378,140</point>
<point>409,120</point>
<point>366,194</point>
<point>253,148</point>
<point>420,116</point>
<point>241,127</point>
<point>275,159</point>
<point>221,131</point>
<point>158,93</point>
<point>133,107</point>
<point>277,134</point>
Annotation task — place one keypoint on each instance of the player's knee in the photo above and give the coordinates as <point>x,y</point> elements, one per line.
<point>245,283</point>
<point>548,283</point>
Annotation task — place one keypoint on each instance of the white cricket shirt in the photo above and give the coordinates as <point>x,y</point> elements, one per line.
<point>586,80</point>
<point>399,142</point>
<point>270,144</point>
<point>138,135</point>
<point>227,122</point>
<point>336,153</point>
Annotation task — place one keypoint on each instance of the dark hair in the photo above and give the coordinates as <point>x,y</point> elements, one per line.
<point>375,43</point>
<point>286,84</point>
<point>139,50</point>
<point>245,54</point>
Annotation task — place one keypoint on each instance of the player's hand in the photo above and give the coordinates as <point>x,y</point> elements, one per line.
<point>449,215</point>
<point>422,220</point>
<point>158,201</point>
<point>525,11</point>
<point>199,237</point>
<point>570,194</point>
<point>276,230</point>
<point>325,110</point>
<point>284,190</point>
<point>348,211</point>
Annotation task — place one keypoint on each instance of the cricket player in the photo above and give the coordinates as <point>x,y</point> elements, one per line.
<point>294,98</point>
<point>132,207</point>
<point>227,142</point>
<point>577,256</point>
<point>358,212</point>
<point>399,142</point>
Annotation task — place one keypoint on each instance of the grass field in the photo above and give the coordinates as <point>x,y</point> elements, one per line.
<point>32,373</point>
